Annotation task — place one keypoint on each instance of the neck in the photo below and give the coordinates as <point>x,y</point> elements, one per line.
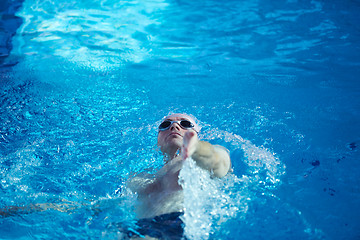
<point>170,155</point>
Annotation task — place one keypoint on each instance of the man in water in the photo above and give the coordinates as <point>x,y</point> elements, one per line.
<point>161,199</point>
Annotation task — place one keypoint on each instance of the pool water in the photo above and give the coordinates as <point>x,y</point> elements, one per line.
<point>85,83</point>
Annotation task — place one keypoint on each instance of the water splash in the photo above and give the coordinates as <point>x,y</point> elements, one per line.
<point>262,164</point>
<point>209,202</point>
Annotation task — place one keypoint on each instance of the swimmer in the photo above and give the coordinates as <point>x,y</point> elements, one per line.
<point>161,197</point>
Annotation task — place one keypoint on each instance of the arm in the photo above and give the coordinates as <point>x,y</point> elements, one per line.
<point>213,158</point>
<point>65,206</point>
<point>15,210</point>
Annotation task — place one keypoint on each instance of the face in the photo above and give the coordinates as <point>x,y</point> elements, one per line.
<point>171,139</point>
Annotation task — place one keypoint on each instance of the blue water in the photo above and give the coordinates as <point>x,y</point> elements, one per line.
<point>84,84</point>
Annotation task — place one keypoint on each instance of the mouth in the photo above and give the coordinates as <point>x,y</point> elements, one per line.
<point>174,134</point>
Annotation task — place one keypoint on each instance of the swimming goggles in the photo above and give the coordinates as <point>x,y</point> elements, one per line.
<point>184,124</point>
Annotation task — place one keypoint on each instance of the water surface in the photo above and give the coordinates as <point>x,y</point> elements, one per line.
<point>84,84</point>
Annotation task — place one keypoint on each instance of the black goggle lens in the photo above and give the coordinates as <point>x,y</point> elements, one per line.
<point>186,124</point>
<point>165,125</point>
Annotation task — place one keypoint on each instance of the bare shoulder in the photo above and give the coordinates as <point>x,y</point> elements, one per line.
<point>139,182</point>
<point>224,160</point>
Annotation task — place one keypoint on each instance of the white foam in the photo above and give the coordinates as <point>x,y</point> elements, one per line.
<point>208,202</point>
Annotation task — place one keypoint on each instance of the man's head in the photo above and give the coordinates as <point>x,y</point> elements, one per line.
<point>172,130</point>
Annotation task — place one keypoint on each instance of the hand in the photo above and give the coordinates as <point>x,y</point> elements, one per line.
<point>190,141</point>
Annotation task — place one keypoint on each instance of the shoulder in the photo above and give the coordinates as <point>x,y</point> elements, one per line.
<point>224,158</point>
<point>140,181</point>
<point>222,149</point>
<point>223,152</point>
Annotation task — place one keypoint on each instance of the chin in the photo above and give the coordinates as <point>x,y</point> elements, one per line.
<point>175,143</point>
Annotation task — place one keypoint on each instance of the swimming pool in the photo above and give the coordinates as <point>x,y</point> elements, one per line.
<point>85,83</point>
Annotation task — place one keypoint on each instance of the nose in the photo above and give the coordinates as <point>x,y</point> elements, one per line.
<point>175,126</point>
